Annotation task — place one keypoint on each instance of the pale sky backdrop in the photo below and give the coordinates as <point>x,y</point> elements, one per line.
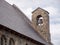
<point>52,6</point>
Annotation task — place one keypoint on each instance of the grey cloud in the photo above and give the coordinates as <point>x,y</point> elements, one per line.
<point>56,39</point>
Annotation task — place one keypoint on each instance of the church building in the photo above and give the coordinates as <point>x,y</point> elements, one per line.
<point>17,29</point>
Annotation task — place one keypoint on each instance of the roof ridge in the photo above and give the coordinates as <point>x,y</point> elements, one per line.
<point>41,9</point>
<point>25,17</point>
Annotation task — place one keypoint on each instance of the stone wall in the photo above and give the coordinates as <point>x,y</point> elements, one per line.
<point>42,29</point>
<point>6,38</point>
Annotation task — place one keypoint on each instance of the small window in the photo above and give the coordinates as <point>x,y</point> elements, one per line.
<point>11,42</point>
<point>3,40</point>
<point>39,20</point>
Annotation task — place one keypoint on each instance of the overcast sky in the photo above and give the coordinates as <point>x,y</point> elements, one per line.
<point>52,6</point>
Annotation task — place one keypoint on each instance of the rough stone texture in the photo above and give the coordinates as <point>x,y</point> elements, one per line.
<point>43,30</point>
<point>17,40</point>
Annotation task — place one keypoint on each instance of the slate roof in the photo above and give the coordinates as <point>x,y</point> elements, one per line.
<point>14,18</point>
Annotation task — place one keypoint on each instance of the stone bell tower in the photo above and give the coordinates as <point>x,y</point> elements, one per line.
<point>40,21</point>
